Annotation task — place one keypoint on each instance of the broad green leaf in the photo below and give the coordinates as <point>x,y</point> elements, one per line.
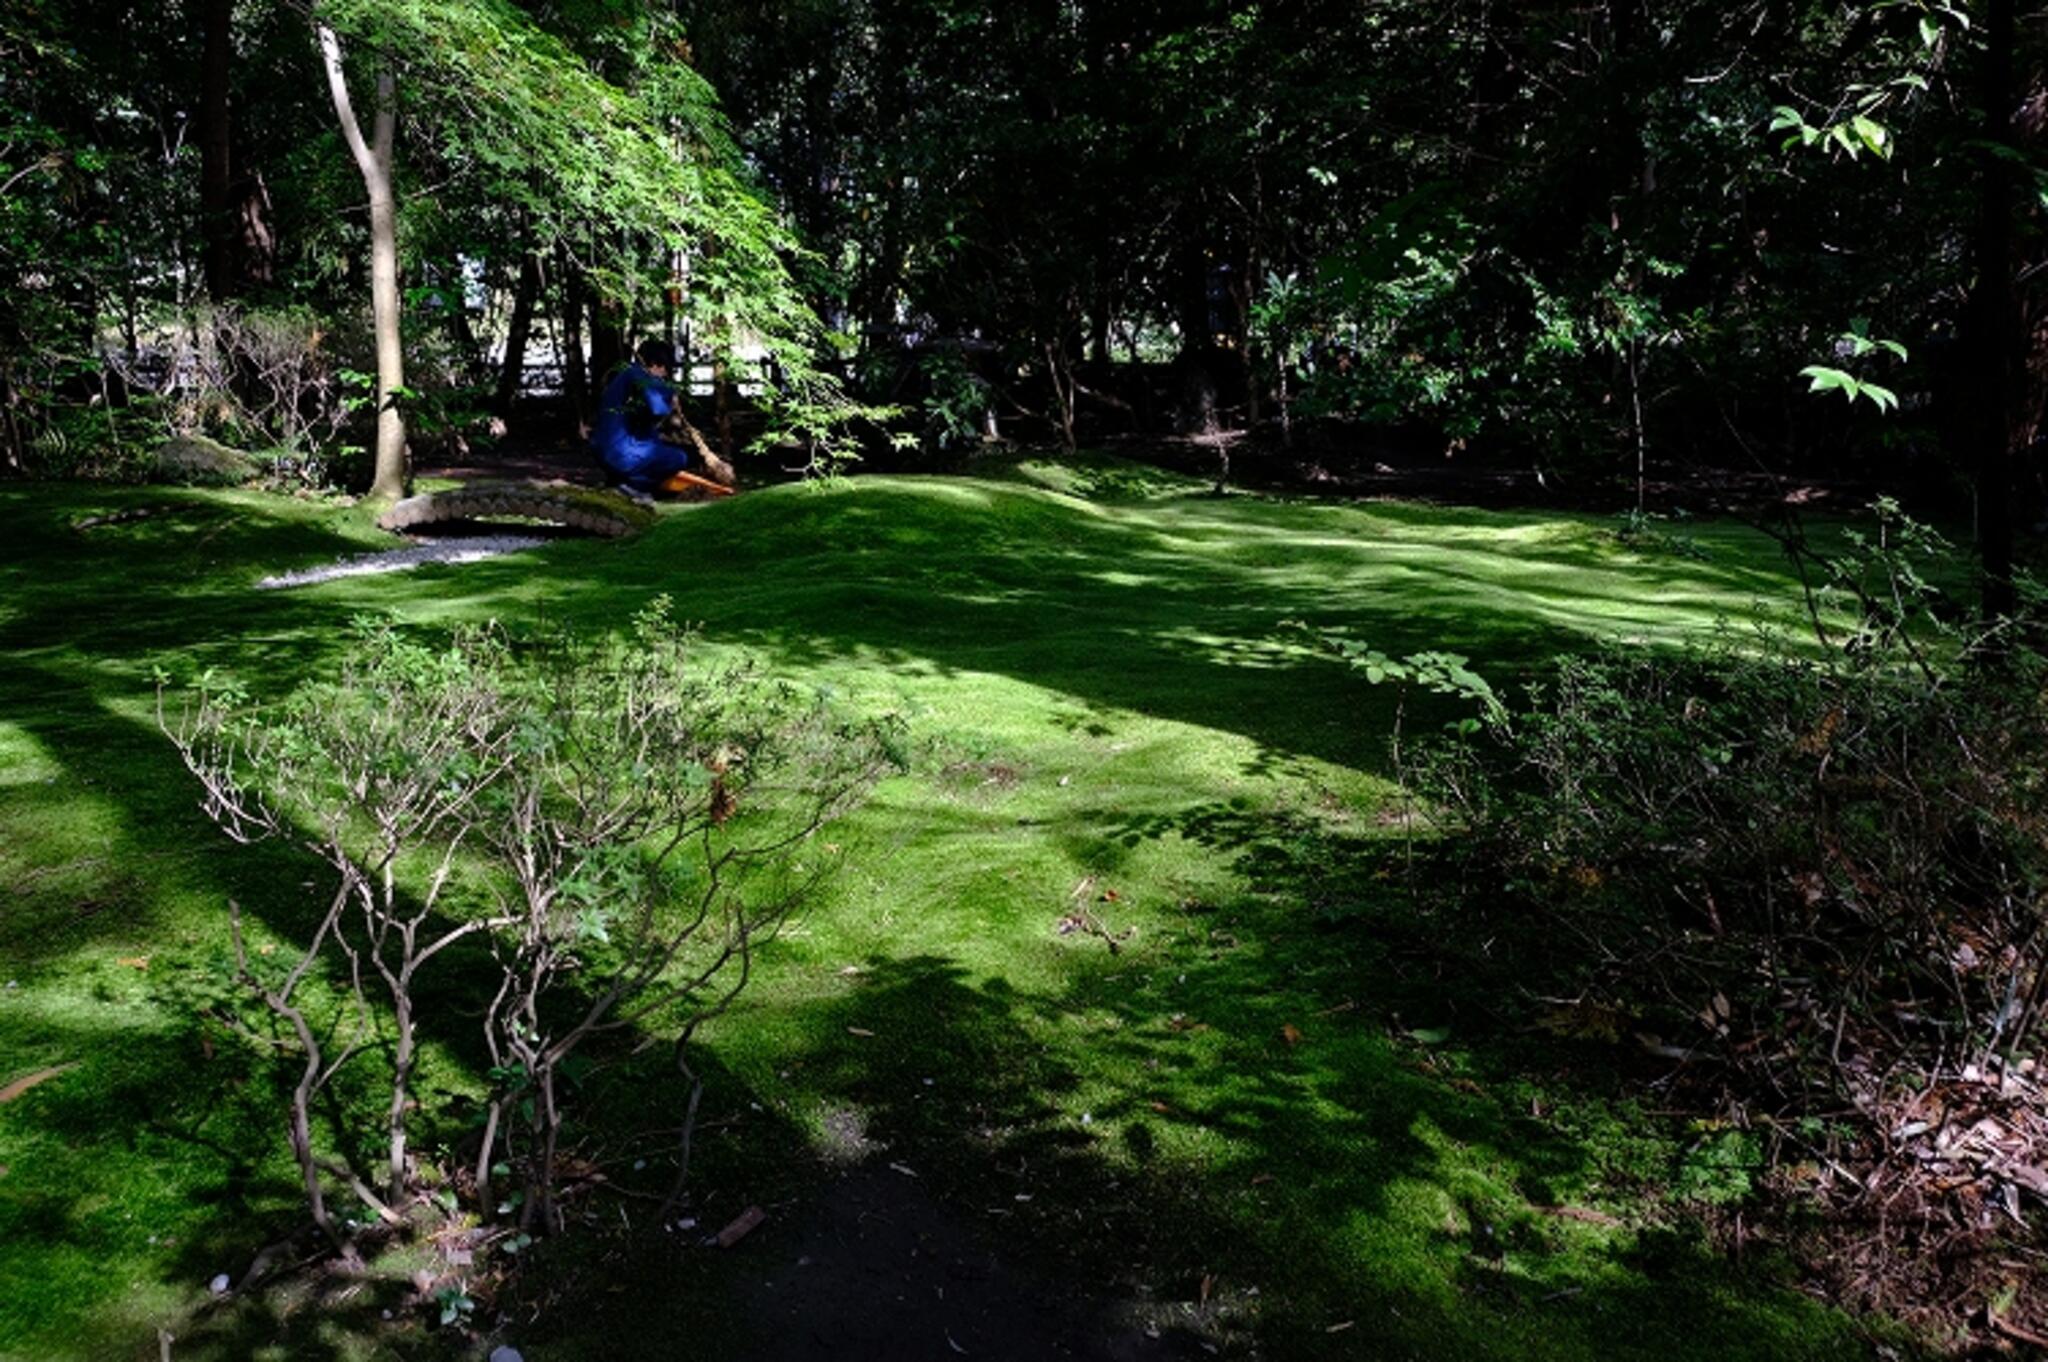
<point>1826,379</point>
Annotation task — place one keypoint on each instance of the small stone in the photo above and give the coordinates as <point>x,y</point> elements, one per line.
<point>219,1285</point>
<point>505,1353</point>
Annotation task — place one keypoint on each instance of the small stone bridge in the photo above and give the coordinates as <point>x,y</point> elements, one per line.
<point>590,510</point>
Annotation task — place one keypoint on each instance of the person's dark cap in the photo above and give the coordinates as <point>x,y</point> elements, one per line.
<point>655,352</point>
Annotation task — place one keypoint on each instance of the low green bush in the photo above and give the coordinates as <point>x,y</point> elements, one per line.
<point>1816,863</point>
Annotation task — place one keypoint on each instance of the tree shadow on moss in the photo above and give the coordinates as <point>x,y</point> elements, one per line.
<point>1336,1199</point>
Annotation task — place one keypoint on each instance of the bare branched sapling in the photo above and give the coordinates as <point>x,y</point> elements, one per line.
<point>652,825</point>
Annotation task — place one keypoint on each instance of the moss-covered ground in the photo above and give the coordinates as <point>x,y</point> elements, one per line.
<point>1269,1117</point>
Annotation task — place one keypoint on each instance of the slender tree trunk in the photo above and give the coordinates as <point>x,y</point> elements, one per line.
<point>1283,398</point>
<point>401,1085</point>
<point>1995,318</point>
<point>575,376</point>
<point>512,368</point>
<point>373,159</point>
<point>1060,372</point>
<point>257,260</point>
<point>721,404</point>
<point>470,352</point>
<point>10,426</point>
<point>299,1132</point>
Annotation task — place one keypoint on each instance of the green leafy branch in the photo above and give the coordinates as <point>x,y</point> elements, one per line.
<point>1856,343</point>
<point>1440,672</point>
<point>1860,130</point>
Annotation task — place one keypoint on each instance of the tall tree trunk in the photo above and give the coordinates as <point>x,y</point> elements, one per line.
<point>884,269</point>
<point>239,244</point>
<point>1994,317</point>
<point>218,226</point>
<point>607,337</point>
<point>512,368</point>
<point>1194,365</point>
<point>373,159</point>
<point>470,352</point>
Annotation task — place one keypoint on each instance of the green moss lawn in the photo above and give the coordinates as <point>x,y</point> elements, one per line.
<point>1095,658</point>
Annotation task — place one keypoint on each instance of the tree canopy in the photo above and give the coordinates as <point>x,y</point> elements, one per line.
<point>1575,236</point>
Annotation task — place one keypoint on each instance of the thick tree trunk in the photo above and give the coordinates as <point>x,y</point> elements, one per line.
<point>218,227</point>
<point>1994,317</point>
<point>1098,328</point>
<point>239,245</point>
<point>373,159</point>
<point>2030,376</point>
<point>1195,364</point>
<point>607,337</point>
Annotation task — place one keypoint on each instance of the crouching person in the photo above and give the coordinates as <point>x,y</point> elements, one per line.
<point>627,436</point>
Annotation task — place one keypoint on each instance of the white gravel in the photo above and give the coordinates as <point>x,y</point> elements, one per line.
<point>401,560</point>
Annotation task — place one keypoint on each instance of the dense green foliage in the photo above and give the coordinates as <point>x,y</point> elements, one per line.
<point>1537,228</point>
<point>1579,235</point>
<point>588,148</point>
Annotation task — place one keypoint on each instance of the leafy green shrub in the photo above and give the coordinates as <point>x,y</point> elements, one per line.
<point>93,441</point>
<point>1819,863</point>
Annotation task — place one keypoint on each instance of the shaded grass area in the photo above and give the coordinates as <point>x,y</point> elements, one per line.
<point>1121,728</point>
